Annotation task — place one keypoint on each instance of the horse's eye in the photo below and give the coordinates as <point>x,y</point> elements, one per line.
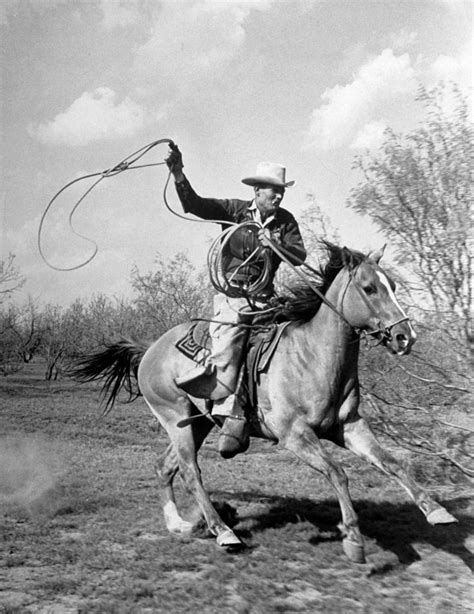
<point>370,290</point>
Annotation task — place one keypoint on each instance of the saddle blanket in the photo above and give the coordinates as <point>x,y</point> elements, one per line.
<point>196,343</point>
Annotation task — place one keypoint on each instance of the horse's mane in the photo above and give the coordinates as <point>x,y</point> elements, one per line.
<point>301,302</point>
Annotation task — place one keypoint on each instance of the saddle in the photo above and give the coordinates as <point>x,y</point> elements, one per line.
<point>261,345</point>
<point>260,349</point>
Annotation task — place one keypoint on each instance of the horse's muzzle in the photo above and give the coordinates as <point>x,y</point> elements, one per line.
<point>400,338</point>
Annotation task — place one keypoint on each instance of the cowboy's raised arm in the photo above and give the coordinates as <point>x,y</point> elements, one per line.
<point>206,208</point>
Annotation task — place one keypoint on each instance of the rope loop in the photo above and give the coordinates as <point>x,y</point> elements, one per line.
<point>127,164</point>
<point>124,165</point>
<point>249,277</point>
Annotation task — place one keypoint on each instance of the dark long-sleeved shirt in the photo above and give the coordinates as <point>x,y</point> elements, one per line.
<point>283,226</point>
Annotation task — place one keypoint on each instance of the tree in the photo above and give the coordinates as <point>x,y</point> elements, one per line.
<point>172,294</point>
<point>10,277</point>
<point>105,318</point>
<point>22,324</point>
<point>417,190</point>
<point>54,340</point>
<point>315,225</point>
<point>13,350</point>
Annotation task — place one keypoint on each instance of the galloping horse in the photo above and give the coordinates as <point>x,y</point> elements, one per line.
<point>309,392</point>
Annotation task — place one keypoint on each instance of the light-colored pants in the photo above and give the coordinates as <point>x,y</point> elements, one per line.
<point>227,339</point>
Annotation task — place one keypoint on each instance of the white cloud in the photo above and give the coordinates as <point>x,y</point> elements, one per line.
<point>403,39</point>
<point>187,45</point>
<point>449,68</point>
<point>92,117</point>
<point>369,136</point>
<point>346,108</point>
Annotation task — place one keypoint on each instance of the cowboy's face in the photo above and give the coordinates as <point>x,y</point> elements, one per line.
<point>268,199</point>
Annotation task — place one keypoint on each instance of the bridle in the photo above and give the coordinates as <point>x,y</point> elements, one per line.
<point>382,333</point>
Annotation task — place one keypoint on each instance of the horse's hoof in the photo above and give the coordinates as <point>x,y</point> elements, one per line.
<point>228,540</point>
<point>181,529</point>
<point>354,551</point>
<point>440,516</point>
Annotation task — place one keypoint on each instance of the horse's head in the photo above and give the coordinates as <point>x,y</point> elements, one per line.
<point>369,303</point>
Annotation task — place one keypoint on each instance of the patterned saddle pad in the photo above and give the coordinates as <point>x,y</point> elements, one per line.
<point>196,343</point>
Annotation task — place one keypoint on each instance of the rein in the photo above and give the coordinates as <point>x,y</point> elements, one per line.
<point>280,251</point>
<point>384,332</point>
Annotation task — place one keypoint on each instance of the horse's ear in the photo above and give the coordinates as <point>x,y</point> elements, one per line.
<point>377,255</point>
<point>346,257</point>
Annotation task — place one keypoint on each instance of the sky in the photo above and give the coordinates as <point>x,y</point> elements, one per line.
<point>309,84</point>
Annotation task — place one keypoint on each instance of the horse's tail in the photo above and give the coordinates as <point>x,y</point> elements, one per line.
<point>116,366</point>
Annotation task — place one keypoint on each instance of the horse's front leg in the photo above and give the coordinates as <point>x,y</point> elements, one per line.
<point>303,442</point>
<point>357,436</point>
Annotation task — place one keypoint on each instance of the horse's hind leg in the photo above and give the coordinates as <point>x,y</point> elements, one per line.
<point>166,470</point>
<point>358,437</point>
<point>181,456</point>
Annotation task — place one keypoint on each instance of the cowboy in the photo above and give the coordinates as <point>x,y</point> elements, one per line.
<point>228,339</point>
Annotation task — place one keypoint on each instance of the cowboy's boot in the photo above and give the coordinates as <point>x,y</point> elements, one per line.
<point>234,436</point>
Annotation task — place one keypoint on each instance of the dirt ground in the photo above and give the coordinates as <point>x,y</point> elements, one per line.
<point>82,529</point>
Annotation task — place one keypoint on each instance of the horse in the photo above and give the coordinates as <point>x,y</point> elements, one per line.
<point>308,392</point>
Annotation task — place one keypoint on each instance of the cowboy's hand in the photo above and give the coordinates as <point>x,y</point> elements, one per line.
<point>264,233</point>
<point>174,161</point>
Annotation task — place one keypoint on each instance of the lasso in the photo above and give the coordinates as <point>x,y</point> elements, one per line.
<point>220,279</point>
<point>225,281</point>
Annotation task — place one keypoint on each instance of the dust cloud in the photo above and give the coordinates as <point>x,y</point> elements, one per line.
<point>30,470</point>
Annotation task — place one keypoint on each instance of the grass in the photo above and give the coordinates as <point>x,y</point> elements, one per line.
<point>83,531</point>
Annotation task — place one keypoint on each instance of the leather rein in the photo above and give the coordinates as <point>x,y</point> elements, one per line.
<point>383,332</point>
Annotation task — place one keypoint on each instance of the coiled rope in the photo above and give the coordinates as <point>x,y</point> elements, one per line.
<point>225,281</point>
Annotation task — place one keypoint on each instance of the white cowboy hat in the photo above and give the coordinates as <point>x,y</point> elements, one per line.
<point>269,173</point>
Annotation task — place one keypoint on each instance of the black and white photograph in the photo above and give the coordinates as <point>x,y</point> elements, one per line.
<point>236,297</point>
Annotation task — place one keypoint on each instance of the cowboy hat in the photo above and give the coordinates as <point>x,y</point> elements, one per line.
<point>269,173</point>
